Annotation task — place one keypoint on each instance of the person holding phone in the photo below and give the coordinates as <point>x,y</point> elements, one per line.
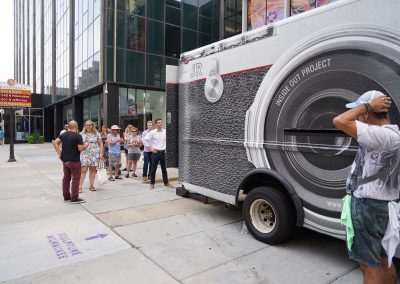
<point>134,143</point>
<point>114,141</point>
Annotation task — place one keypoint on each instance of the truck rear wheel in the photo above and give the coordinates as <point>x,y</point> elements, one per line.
<point>269,215</point>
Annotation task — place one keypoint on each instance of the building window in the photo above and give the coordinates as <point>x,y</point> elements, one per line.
<point>120,29</point>
<point>120,65</point>
<point>155,74</point>
<point>172,41</point>
<point>189,41</point>
<point>174,3</point>
<point>135,67</point>
<point>205,25</point>
<point>137,106</point>
<point>232,18</point>
<point>136,7</point>
<point>173,16</point>
<point>91,108</point>
<point>27,122</point>
<point>135,33</point>
<point>155,9</point>
<point>155,37</point>
<point>110,27</point>
<point>190,14</point>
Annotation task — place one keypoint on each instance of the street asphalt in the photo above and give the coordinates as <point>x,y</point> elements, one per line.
<point>127,233</point>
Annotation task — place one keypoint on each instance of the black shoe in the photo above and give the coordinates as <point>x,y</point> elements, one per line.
<point>134,175</point>
<point>78,200</point>
<point>127,175</point>
<point>125,169</point>
<point>67,199</point>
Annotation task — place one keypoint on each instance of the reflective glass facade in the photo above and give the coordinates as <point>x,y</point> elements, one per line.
<point>232,17</point>
<point>87,44</point>
<point>153,33</point>
<point>31,31</point>
<point>79,54</point>
<point>62,49</point>
<point>38,54</point>
<point>47,59</point>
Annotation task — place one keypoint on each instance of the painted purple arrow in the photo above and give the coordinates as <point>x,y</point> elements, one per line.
<point>98,236</point>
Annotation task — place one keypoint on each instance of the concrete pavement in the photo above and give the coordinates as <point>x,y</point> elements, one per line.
<point>126,233</point>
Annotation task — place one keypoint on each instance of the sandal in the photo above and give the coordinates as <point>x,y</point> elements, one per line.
<point>92,189</point>
<point>111,179</point>
<point>118,177</point>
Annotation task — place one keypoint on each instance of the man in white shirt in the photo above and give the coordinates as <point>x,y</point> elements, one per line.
<point>373,184</point>
<point>156,141</point>
<point>147,153</point>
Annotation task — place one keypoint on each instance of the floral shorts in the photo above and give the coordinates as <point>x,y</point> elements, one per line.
<point>114,159</point>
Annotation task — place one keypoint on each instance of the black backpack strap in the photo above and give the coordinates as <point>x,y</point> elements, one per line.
<point>380,174</point>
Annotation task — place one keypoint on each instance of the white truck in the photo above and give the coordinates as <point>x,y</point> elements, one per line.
<point>249,118</point>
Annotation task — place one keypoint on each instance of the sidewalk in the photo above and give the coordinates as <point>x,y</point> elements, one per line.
<point>127,233</point>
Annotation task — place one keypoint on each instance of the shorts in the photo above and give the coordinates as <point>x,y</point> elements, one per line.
<point>370,218</point>
<point>114,159</point>
<point>133,156</point>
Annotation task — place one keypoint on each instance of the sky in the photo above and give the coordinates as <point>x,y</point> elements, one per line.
<point>7,40</point>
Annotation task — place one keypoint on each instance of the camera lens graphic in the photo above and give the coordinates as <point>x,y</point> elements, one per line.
<point>300,140</point>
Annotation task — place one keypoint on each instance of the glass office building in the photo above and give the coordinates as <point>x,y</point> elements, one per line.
<point>105,60</point>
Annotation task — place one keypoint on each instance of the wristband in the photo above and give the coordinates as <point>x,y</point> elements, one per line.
<point>368,106</point>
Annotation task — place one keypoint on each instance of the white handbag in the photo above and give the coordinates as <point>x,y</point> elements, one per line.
<point>101,174</point>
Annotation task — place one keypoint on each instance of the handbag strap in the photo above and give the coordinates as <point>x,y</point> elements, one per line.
<point>101,165</point>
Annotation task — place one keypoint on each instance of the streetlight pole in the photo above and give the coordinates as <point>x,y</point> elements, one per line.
<point>12,135</point>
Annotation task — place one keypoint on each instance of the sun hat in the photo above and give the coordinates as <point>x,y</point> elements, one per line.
<point>365,98</point>
<point>115,127</point>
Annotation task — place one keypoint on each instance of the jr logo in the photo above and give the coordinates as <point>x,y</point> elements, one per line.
<point>196,70</point>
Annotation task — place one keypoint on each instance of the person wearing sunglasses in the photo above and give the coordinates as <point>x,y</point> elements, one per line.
<point>92,155</point>
<point>134,142</point>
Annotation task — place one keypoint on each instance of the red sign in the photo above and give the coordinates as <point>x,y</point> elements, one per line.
<point>15,95</point>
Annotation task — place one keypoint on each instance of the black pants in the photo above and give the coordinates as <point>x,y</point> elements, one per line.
<point>147,164</point>
<point>155,159</point>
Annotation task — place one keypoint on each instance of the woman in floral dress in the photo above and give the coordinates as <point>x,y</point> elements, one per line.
<point>91,156</point>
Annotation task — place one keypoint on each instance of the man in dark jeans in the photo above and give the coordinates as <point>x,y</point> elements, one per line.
<point>72,145</point>
<point>156,141</point>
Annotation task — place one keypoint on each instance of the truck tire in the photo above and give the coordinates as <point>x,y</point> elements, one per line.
<point>269,215</point>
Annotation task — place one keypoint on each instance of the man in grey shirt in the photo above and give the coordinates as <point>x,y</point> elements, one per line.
<point>373,183</point>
